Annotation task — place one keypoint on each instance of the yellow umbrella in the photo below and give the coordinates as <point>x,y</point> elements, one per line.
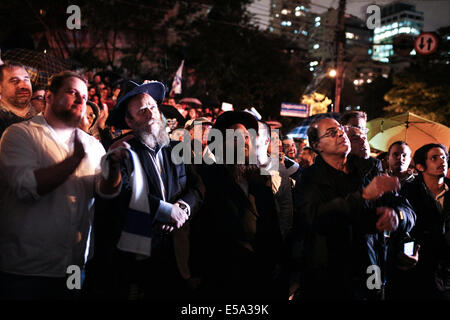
<point>415,130</point>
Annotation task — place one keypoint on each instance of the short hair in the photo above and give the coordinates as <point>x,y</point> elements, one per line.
<point>313,132</point>
<point>420,156</point>
<point>352,115</point>
<point>9,64</point>
<point>400,143</point>
<point>309,149</point>
<point>57,80</point>
<point>38,87</point>
<point>382,155</point>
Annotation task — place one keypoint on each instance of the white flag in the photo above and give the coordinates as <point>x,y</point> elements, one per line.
<point>176,84</point>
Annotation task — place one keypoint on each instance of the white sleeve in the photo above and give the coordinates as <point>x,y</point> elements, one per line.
<point>18,161</point>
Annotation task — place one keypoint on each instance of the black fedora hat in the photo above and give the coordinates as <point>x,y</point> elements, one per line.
<point>155,89</point>
<point>228,118</point>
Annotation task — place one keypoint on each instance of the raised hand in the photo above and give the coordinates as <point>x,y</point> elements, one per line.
<point>78,148</point>
<point>379,186</point>
<point>104,112</point>
<point>388,220</point>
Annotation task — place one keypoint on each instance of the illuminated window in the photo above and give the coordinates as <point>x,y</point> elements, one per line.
<point>349,35</point>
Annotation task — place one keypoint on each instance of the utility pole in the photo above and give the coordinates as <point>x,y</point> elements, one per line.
<point>340,38</point>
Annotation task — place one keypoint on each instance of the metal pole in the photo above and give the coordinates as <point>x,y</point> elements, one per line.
<point>340,38</point>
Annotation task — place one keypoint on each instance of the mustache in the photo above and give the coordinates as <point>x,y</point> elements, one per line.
<point>23,90</point>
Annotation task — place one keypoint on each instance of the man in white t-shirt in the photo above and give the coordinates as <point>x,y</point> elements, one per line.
<point>48,169</point>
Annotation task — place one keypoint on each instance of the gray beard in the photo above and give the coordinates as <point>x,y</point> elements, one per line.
<point>157,136</point>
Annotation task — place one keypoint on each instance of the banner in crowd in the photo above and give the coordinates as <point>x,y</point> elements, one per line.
<point>295,110</point>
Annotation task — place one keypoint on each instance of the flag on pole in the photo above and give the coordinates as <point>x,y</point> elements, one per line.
<point>176,84</point>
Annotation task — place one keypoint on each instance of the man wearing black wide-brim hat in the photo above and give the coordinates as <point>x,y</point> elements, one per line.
<point>238,219</point>
<point>147,196</point>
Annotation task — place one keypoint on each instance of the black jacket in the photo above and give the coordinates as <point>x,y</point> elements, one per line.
<point>181,182</point>
<point>337,227</point>
<point>239,241</point>
<point>432,272</point>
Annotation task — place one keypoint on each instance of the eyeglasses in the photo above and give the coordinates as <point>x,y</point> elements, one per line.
<point>332,132</point>
<point>40,98</point>
<point>356,130</point>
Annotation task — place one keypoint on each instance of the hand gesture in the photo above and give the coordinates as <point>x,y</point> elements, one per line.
<point>78,148</point>
<point>117,149</point>
<point>388,220</point>
<point>178,217</point>
<point>405,262</point>
<point>104,113</point>
<point>379,186</point>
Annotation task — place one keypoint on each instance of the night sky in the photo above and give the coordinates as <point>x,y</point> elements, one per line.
<point>436,12</point>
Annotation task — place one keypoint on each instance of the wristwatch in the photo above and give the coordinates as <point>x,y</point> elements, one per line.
<point>184,207</point>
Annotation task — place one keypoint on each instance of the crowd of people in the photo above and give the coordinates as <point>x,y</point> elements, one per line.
<point>90,181</point>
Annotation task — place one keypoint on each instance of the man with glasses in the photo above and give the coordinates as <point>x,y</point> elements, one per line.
<point>341,210</point>
<point>354,123</point>
<point>38,99</point>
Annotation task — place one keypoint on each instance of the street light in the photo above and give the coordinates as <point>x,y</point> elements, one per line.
<point>332,73</point>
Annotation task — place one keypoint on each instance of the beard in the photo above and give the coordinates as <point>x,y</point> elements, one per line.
<point>240,172</point>
<point>19,99</point>
<point>68,117</point>
<point>153,134</point>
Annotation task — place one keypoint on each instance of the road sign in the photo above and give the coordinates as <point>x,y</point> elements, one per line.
<point>426,43</point>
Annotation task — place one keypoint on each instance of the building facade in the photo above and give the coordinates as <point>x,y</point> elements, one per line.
<point>397,19</point>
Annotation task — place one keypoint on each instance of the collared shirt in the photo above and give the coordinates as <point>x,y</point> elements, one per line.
<point>441,196</point>
<point>7,117</point>
<point>38,233</point>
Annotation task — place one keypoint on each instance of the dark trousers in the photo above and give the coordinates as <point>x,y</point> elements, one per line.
<point>125,278</point>
<point>20,287</point>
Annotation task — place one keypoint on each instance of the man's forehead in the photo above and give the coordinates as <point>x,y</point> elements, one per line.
<point>74,82</point>
<point>237,126</point>
<point>15,71</point>
<point>360,122</point>
<point>326,124</point>
<point>435,151</point>
<point>144,98</point>
<point>402,148</point>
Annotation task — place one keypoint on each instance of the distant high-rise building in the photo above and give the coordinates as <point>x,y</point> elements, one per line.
<point>260,13</point>
<point>397,18</point>
<point>322,40</point>
<point>288,18</point>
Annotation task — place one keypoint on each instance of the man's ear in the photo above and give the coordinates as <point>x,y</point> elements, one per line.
<point>128,121</point>
<point>420,167</point>
<point>48,98</point>
<point>315,147</point>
